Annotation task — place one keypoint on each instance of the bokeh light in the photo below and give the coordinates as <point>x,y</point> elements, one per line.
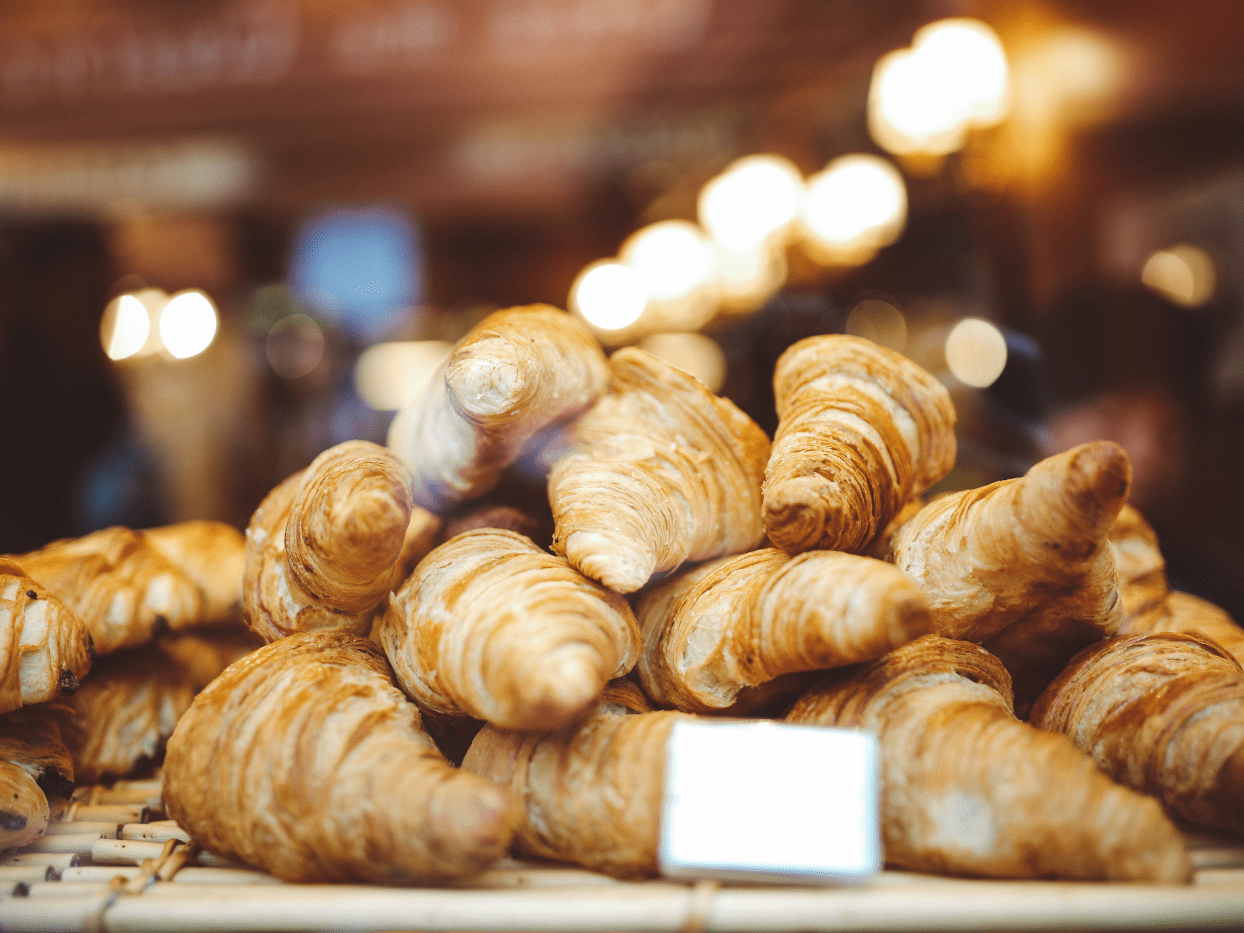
<point>880,321</point>
<point>747,278</point>
<point>188,324</point>
<point>294,346</point>
<point>125,327</point>
<point>673,258</point>
<point>609,295</point>
<point>1183,274</point>
<point>856,205</point>
<point>755,198</point>
<point>692,353</point>
<point>389,376</point>
<point>923,99</point>
<point>976,352</point>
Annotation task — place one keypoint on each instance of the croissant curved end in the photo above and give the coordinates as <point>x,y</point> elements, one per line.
<point>488,382</point>
<point>368,534</point>
<point>561,693</point>
<point>622,568</point>
<point>803,512</point>
<point>473,818</point>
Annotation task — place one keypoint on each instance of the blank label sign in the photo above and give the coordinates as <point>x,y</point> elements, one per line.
<point>771,801</point>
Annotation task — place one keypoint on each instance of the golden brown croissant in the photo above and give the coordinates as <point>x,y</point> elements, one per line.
<point>304,760</point>
<point>861,429</point>
<point>211,554</point>
<point>119,584</point>
<point>742,621</point>
<point>513,375</point>
<point>129,705</point>
<point>1023,566</point>
<point>34,765</point>
<point>45,650</point>
<point>491,626</point>
<point>323,546</point>
<point>592,793</point>
<point>660,471</point>
<point>1149,604</point>
<point>1162,713</point>
<point>968,789</point>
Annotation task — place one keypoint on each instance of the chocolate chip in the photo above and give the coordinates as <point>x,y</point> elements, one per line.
<point>68,683</point>
<point>12,821</point>
<point>32,594</point>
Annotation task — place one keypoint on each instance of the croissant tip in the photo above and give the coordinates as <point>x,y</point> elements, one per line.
<point>803,513</point>
<point>473,817</point>
<point>1099,475</point>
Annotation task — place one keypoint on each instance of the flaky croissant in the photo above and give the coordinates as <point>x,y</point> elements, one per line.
<point>211,554</point>
<point>968,789</point>
<point>304,760</point>
<point>493,627</point>
<point>1163,713</point>
<point>513,375</point>
<point>861,429</point>
<point>590,794</point>
<point>1149,604</point>
<point>322,548</point>
<point>129,705</point>
<point>45,650</point>
<point>119,583</point>
<point>34,765</point>
<point>659,471</point>
<point>1023,566</point>
<point>741,621</point>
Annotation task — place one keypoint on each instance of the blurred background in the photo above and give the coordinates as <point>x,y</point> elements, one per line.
<point>236,232</point>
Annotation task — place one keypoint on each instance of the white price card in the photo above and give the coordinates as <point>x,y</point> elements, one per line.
<point>770,801</point>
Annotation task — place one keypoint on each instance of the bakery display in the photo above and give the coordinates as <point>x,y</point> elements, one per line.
<point>927,623</point>
<point>861,429</point>
<point>659,471</point>
<point>968,789</point>
<point>491,626</point>
<point>45,649</point>
<point>1162,713</point>
<point>1023,566</point>
<point>322,548</point>
<point>738,622</point>
<point>304,759</point>
<point>515,374</point>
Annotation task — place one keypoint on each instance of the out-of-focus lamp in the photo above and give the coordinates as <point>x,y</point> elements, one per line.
<point>1183,274</point>
<point>856,205</point>
<point>608,295</point>
<point>188,324</point>
<point>696,354</point>
<point>976,352</point>
<point>677,263</point>
<point>923,99</point>
<point>754,199</point>
<point>389,376</point>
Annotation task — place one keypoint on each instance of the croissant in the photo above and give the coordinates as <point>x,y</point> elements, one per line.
<point>592,793</point>
<point>322,548</point>
<point>491,626</point>
<point>1149,604</point>
<point>1162,713</point>
<point>1023,566</point>
<point>45,650</point>
<point>34,765</point>
<point>660,471</point>
<point>304,760</point>
<point>119,584</point>
<point>861,430</point>
<point>741,621</point>
<point>211,554</point>
<point>968,789</point>
<point>129,705</point>
<point>513,375</point>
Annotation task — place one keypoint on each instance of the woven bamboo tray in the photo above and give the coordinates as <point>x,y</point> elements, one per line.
<point>110,861</point>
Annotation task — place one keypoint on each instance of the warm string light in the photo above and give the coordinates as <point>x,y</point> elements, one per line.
<point>184,325</point>
<point>389,376</point>
<point>924,99</point>
<point>1182,274</point>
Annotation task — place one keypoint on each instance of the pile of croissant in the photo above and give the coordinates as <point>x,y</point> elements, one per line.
<point>477,638</point>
